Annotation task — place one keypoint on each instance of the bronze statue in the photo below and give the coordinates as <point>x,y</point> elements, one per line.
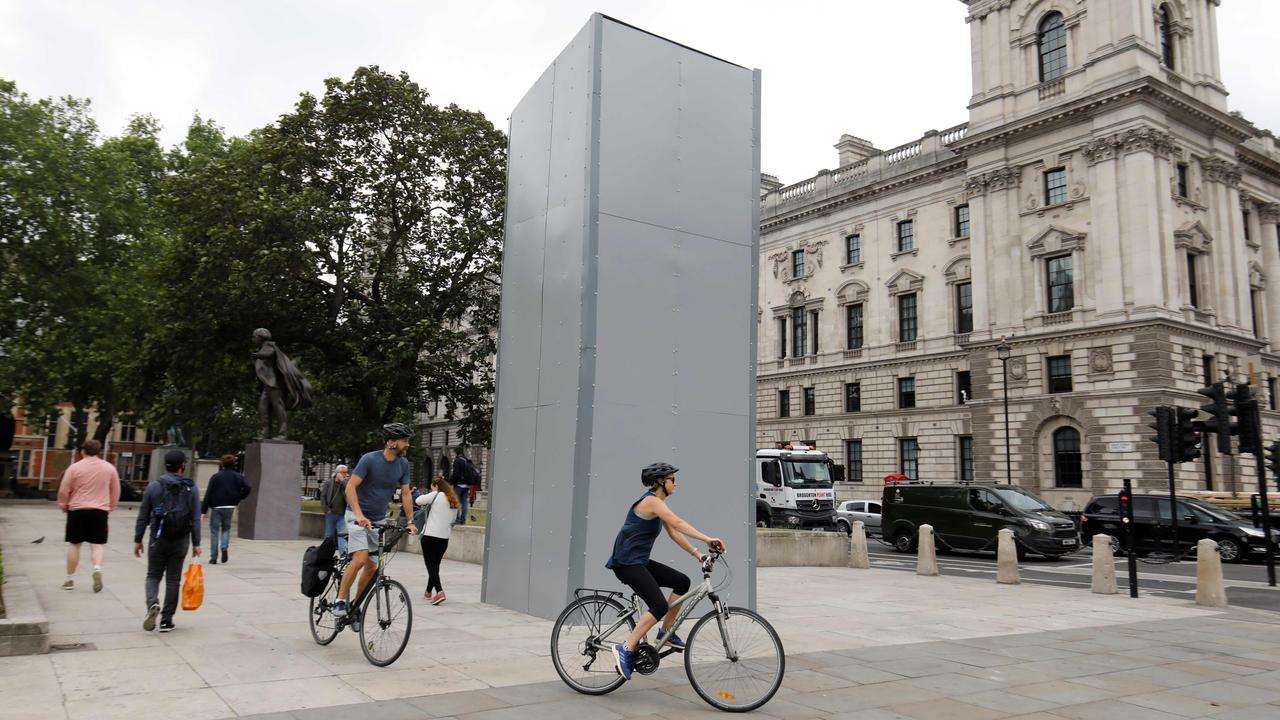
<point>282,385</point>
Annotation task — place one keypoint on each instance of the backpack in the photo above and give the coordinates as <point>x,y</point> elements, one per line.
<point>317,567</point>
<point>176,519</point>
<point>472,474</point>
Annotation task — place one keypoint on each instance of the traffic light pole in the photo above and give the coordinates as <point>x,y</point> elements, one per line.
<point>1127,520</point>
<point>1173,509</point>
<point>1266,519</point>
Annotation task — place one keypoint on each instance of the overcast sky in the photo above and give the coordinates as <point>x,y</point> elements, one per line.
<point>883,70</point>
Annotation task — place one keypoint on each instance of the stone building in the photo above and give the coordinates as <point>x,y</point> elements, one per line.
<point>1102,209</point>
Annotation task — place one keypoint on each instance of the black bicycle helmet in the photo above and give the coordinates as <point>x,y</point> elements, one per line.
<point>396,430</point>
<point>655,472</point>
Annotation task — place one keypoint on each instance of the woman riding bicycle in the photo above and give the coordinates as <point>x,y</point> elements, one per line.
<point>630,560</point>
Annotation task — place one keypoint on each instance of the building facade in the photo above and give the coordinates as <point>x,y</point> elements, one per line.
<point>43,448</point>
<point>1101,209</point>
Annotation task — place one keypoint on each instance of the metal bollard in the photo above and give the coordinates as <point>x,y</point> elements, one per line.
<point>1006,558</point>
<point>858,557</point>
<point>1104,566</point>
<point>1210,590</point>
<point>926,553</point>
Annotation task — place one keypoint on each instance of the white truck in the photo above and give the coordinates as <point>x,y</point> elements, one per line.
<point>793,487</point>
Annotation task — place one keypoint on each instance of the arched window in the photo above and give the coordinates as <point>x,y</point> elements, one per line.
<point>1166,37</point>
<point>1053,47</point>
<point>1066,458</point>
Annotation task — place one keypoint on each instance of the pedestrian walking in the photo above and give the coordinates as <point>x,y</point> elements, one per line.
<point>435,516</point>
<point>88,494</point>
<point>333,498</point>
<point>226,489</point>
<point>169,518</point>
<point>463,476</point>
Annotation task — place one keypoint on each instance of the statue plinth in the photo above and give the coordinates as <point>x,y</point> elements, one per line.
<point>272,510</point>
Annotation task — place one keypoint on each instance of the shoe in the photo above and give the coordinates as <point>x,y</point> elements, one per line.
<point>439,598</point>
<point>622,659</point>
<point>166,626</point>
<point>213,558</point>
<point>340,609</point>
<point>150,623</point>
<point>69,585</point>
<point>674,642</point>
<point>224,556</point>
<point>97,581</point>
<point>426,595</point>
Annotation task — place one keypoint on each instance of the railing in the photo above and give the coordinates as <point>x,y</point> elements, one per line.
<point>1053,88</point>
<point>849,172</point>
<point>954,134</point>
<point>803,187</point>
<point>906,346</point>
<point>962,338</point>
<point>1061,318</point>
<point>903,152</point>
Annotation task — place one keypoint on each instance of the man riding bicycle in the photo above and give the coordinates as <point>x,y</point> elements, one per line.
<point>369,491</point>
<point>630,560</point>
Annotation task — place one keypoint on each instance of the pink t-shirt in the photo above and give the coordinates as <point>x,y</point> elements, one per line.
<point>90,484</point>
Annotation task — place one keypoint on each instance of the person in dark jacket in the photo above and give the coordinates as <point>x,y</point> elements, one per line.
<point>226,489</point>
<point>461,477</point>
<point>333,498</point>
<point>170,518</point>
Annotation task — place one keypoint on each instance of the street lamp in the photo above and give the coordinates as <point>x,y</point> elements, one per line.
<point>1003,351</point>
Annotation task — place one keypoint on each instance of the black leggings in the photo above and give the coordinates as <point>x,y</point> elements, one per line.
<point>432,553</point>
<point>648,581</point>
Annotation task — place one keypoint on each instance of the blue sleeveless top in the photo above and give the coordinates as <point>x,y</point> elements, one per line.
<point>635,539</point>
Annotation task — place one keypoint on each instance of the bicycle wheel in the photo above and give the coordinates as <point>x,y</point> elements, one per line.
<point>386,619</point>
<point>587,669</point>
<point>324,626</point>
<point>751,677</point>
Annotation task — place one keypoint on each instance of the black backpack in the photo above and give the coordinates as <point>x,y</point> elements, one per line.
<point>473,475</point>
<point>177,519</point>
<point>317,567</point>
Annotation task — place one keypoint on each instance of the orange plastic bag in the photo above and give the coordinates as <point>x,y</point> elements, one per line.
<point>193,587</point>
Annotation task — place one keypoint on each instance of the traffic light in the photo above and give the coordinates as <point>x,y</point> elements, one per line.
<point>1245,411</point>
<point>1126,506</point>
<point>1164,431</point>
<point>1186,434</point>
<point>1219,422</point>
<point>1273,459</point>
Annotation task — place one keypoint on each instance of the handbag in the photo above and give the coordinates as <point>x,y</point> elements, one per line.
<point>193,586</point>
<point>420,516</point>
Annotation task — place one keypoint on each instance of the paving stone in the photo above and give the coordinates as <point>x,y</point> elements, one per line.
<point>946,709</point>
<point>1232,693</point>
<point>1176,704</point>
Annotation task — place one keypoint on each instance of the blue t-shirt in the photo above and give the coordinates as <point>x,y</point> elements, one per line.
<point>378,482</point>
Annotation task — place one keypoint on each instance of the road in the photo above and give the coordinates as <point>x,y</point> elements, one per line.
<point>1246,582</point>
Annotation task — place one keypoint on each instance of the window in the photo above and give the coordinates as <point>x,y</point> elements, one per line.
<point>853,326</point>
<point>1166,37</point>
<point>964,308</point>
<point>1207,369</point>
<point>853,456</point>
<point>1255,297</point>
<point>784,403</point>
<point>24,463</point>
<point>1061,284</point>
<point>1053,47</point>
<point>1244,220</point>
<point>906,235</point>
<point>853,397</point>
<point>964,387</point>
<point>853,249</point>
<point>809,402</point>
<point>813,323</point>
<point>907,318</point>
<point>906,392</point>
<point>1193,284</point>
<point>1066,458</point>
<point>128,432</point>
<point>966,459</point>
<point>1059,373</point>
<point>152,436</point>
<point>962,221</point>
<point>1271,393</point>
<point>782,338</point>
<point>1055,186</point>
<point>797,264</point>
<point>1182,180</point>
<point>799,333</point>
<point>909,451</point>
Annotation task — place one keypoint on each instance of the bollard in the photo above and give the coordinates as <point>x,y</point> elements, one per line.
<point>926,553</point>
<point>1210,590</point>
<point>1006,558</point>
<point>858,557</point>
<point>1104,565</point>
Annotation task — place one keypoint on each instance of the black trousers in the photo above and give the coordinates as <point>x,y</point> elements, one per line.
<point>164,559</point>
<point>432,553</point>
<point>648,581</point>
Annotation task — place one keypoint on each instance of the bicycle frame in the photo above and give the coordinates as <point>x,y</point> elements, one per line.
<point>378,574</point>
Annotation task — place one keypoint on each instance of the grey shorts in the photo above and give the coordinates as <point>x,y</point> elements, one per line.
<point>359,538</point>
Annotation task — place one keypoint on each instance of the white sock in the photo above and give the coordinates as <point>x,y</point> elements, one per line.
<point>70,576</point>
<point>97,568</point>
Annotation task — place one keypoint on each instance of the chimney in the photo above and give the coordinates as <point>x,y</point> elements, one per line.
<point>768,184</point>
<point>854,149</point>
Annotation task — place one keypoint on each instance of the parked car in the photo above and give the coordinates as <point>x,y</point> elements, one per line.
<point>1153,526</point>
<point>868,511</point>
<point>967,517</point>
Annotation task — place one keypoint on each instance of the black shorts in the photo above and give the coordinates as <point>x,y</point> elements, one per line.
<point>648,581</point>
<point>87,526</point>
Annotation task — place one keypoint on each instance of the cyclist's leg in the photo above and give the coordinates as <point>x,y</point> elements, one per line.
<point>679,583</point>
<point>639,579</point>
<point>358,560</point>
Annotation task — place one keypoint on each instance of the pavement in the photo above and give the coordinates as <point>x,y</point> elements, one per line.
<point>875,644</point>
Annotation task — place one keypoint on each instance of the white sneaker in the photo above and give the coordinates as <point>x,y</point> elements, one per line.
<point>340,609</point>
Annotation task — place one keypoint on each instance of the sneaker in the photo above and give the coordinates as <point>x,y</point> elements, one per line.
<point>97,581</point>
<point>622,659</point>
<point>340,609</point>
<point>439,598</point>
<point>674,641</point>
<point>213,558</point>
<point>426,595</point>
<point>224,556</point>
<point>149,624</point>
<point>166,626</point>
<point>69,585</point>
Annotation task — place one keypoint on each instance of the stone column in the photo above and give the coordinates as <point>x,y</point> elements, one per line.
<point>1146,188</point>
<point>980,255</point>
<point>273,510</point>
<point>1269,219</point>
<point>1105,230</point>
<point>1229,263</point>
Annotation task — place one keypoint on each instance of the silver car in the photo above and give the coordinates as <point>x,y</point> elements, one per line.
<point>868,511</point>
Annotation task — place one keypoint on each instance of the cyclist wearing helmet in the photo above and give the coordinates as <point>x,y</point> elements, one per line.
<point>630,560</point>
<point>369,491</point>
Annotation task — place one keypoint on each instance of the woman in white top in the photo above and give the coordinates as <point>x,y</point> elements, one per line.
<point>438,509</point>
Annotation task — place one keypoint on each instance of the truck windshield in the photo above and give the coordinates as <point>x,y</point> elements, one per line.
<point>1020,500</point>
<point>806,472</point>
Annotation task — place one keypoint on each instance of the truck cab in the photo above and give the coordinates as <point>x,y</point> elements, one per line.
<point>794,487</point>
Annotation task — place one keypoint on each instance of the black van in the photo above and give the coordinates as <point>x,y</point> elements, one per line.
<point>1153,526</point>
<point>967,517</point>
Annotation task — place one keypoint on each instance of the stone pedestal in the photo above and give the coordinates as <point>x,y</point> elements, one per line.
<point>271,512</point>
<point>157,461</point>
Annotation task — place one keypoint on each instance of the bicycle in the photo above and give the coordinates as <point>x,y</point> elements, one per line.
<point>376,613</point>
<point>737,669</point>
